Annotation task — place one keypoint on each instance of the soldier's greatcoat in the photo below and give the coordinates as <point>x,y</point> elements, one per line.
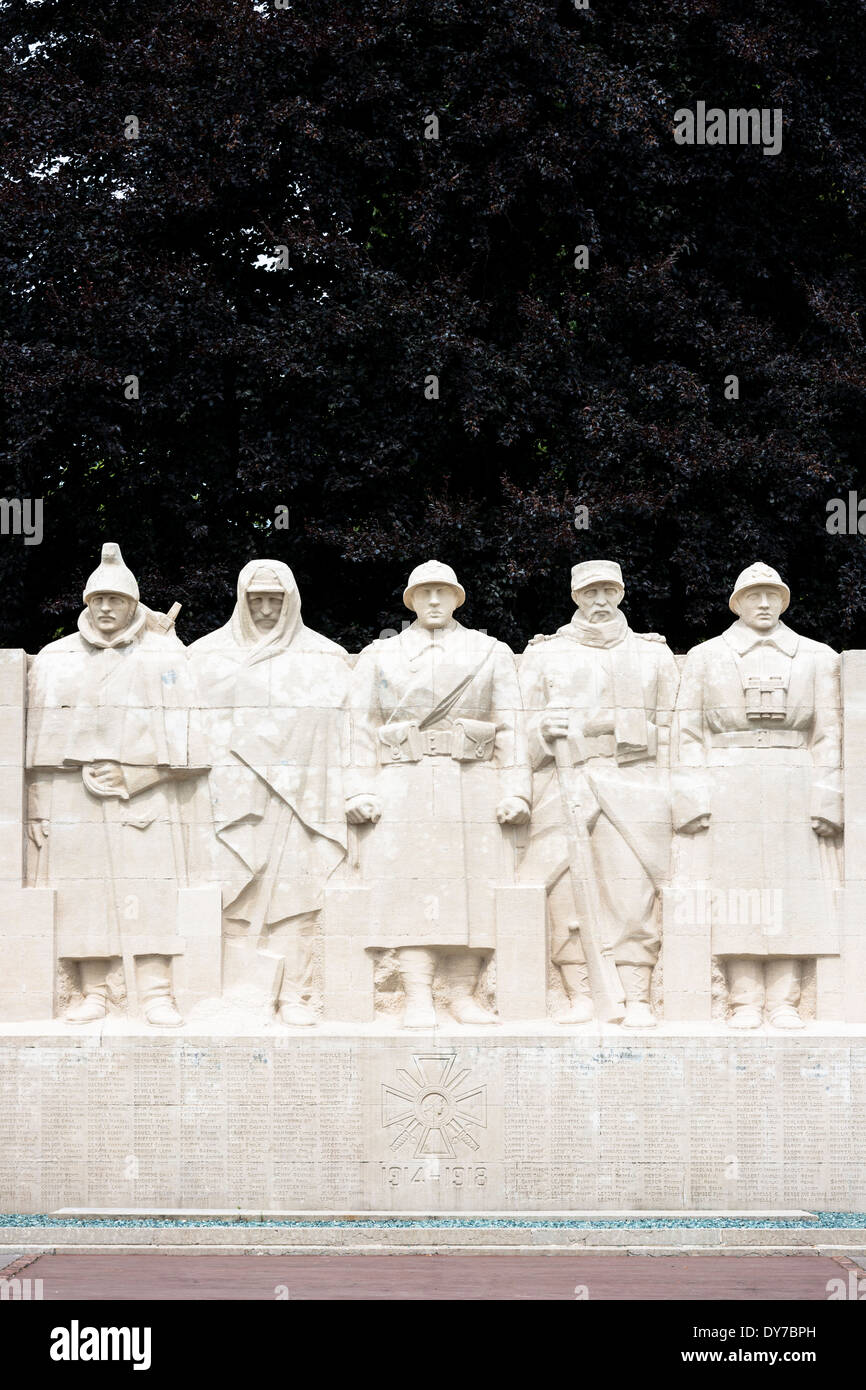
<point>437,853</point>
<point>618,690</point>
<point>116,862</point>
<point>761,778</point>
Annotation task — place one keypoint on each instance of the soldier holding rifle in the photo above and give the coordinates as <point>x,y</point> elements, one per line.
<point>599,701</point>
<point>107,745</point>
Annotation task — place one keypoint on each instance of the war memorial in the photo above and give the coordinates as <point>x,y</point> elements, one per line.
<point>435,927</point>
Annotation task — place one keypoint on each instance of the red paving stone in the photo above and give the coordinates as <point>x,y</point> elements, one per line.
<point>131,1277</point>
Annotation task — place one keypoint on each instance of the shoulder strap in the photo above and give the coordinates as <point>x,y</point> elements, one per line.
<point>452,699</point>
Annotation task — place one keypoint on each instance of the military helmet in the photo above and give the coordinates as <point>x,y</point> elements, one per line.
<point>111,575</point>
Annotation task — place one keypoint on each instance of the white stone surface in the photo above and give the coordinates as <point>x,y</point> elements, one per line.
<point>269,827</point>
<point>462,1120</point>
<point>438,777</point>
<point>599,702</point>
<point>252,822</point>
<point>107,746</point>
<point>301,859</point>
<point>757,781</point>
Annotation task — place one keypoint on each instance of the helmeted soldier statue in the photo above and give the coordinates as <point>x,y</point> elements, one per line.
<point>274,694</point>
<point>107,740</point>
<point>607,693</point>
<point>438,768</point>
<point>757,769</point>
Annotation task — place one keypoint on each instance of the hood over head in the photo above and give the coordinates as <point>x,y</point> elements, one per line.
<point>257,577</point>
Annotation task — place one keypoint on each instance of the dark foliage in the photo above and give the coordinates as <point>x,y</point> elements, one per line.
<point>304,127</point>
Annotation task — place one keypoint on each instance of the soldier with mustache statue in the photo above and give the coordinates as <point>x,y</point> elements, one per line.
<point>599,701</point>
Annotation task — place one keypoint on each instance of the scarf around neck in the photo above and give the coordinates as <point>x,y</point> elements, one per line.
<point>629,710</point>
<point>608,634</point>
<point>90,632</point>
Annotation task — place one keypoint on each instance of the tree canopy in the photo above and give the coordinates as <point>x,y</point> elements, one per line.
<point>302,385</point>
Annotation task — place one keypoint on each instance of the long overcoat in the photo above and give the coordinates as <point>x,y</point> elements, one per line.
<point>116,863</point>
<point>434,859</point>
<point>757,745</point>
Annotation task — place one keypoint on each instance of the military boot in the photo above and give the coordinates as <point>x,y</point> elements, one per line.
<point>416,965</point>
<point>93,1003</point>
<point>464,1007</point>
<point>576,980</point>
<point>636,987</point>
<point>154,988</point>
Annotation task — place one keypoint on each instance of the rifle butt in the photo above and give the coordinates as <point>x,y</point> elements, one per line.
<point>606,986</point>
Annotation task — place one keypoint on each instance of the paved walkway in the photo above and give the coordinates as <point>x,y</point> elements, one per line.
<point>430,1277</point>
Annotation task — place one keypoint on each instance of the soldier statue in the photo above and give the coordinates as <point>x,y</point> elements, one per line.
<point>273,694</point>
<point>107,742</point>
<point>599,700</point>
<point>758,785</point>
<point>438,769</point>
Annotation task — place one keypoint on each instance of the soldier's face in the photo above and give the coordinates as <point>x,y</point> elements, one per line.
<point>598,602</point>
<point>110,612</point>
<point>760,608</point>
<point>434,604</point>
<point>265,609</point>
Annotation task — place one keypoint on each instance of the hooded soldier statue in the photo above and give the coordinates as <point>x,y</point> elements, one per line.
<point>438,769</point>
<point>107,741</point>
<point>758,788</point>
<point>273,696</point>
<point>605,695</point>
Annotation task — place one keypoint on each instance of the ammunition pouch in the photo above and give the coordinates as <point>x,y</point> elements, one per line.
<point>473,740</point>
<point>401,743</point>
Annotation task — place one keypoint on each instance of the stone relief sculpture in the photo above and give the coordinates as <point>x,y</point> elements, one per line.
<point>438,770</point>
<point>273,697</point>
<point>599,702</point>
<point>261,835</point>
<point>107,741</point>
<point>757,757</point>
<point>428,800</point>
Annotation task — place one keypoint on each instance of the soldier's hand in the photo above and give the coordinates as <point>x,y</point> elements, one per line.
<point>554,726</point>
<point>363,808</point>
<point>823,827</point>
<point>693,827</point>
<point>105,778</point>
<point>512,811</point>
<point>38,832</point>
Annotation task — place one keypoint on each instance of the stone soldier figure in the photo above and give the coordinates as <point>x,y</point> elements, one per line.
<point>274,698</point>
<point>438,767</point>
<point>609,693</point>
<point>757,758</point>
<point>107,740</point>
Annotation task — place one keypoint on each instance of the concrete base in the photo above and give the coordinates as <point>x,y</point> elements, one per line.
<point>460,1120</point>
<point>527,1239</point>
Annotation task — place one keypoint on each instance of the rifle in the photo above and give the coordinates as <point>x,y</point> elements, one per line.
<point>162,622</point>
<point>604,981</point>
